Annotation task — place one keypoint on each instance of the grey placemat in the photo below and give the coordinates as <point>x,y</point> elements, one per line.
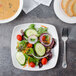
<point>72,34</point>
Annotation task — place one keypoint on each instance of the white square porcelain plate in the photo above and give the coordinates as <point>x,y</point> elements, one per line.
<point>55,51</point>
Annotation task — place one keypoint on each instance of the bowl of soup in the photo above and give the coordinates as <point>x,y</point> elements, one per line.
<point>10,9</point>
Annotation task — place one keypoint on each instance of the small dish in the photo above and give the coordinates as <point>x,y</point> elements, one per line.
<point>61,14</point>
<point>16,14</point>
<point>51,64</point>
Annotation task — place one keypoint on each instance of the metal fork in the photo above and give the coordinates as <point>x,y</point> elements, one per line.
<point>64,38</point>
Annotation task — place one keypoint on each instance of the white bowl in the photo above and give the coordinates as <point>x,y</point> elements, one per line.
<point>51,64</point>
<point>61,14</point>
<point>16,14</point>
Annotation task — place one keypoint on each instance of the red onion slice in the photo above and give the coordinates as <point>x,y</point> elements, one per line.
<point>46,45</point>
<point>32,37</point>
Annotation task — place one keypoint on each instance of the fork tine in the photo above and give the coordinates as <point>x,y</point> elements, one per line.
<point>65,32</point>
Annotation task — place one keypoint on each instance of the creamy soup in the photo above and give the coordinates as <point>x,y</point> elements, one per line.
<point>8,8</point>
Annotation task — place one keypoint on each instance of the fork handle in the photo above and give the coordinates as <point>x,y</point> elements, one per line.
<point>64,63</point>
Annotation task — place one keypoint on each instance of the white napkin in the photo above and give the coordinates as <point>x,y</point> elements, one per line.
<point>29,5</point>
<point>44,2</point>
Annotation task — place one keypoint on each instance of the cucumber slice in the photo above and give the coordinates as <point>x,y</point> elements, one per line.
<point>21,58</point>
<point>40,49</point>
<point>30,32</point>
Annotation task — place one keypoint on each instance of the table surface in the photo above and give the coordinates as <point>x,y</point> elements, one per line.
<point>42,14</point>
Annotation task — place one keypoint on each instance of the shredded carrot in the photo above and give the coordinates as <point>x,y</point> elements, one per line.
<point>28,60</point>
<point>24,51</point>
<point>24,66</point>
<point>27,49</point>
<point>46,42</point>
<point>43,26</point>
<point>29,45</point>
<point>17,44</point>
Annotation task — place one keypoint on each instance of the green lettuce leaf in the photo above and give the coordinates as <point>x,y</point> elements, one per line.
<point>42,30</point>
<point>32,26</point>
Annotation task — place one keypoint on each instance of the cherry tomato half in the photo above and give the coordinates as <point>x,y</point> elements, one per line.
<point>32,65</point>
<point>29,45</point>
<point>44,61</point>
<point>43,38</point>
<point>19,37</point>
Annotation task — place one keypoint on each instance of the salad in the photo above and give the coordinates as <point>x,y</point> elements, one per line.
<point>34,46</point>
